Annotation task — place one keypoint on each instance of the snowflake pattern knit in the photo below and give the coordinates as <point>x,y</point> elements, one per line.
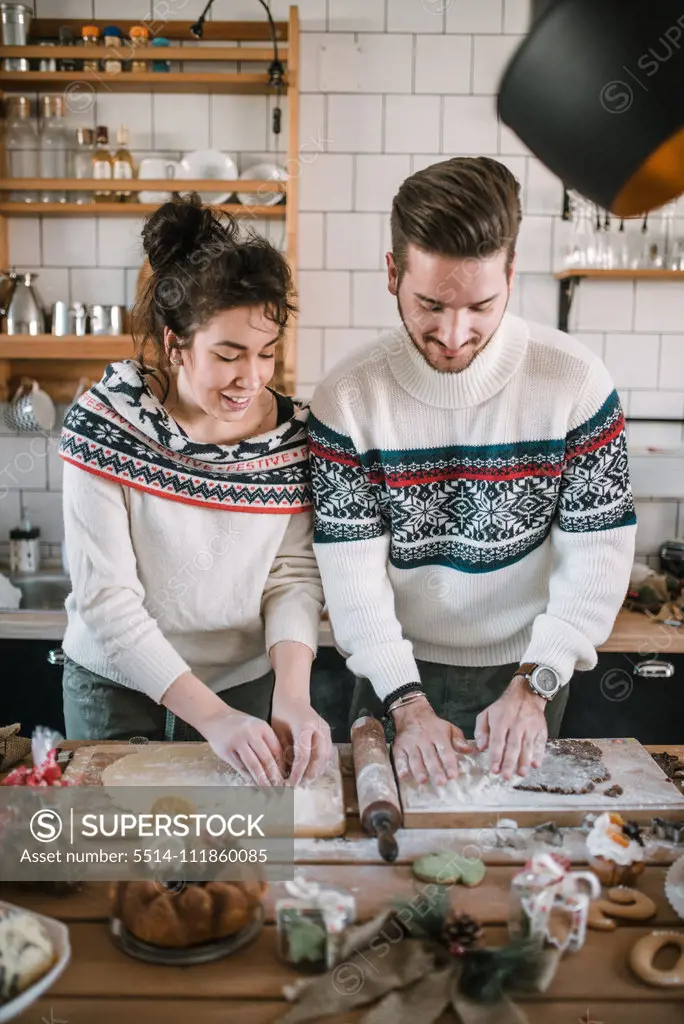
<point>492,502</point>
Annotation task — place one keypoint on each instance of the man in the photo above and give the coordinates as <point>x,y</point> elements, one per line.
<point>473,504</point>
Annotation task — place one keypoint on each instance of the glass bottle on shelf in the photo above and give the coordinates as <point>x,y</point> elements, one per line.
<point>664,237</point>
<point>66,38</point>
<point>90,34</point>
<point>82,163</point>
<point>102,164</point>
<point>122,164</point>
<point>21,143</point>
<point>54,146</point>
<point>582,249</point>
<point>139,37</point>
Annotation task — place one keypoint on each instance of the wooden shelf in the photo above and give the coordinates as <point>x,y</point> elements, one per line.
<point>58,363</point>
<point>258,30</point>
<point>195,52</point>
<point>623,274</point>
<point>141,185</point>
<point>244,83</point>
<point>68,347</point>
<point>129,210</point>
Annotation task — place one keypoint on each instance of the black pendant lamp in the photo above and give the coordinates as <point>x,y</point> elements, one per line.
<point>596,91</point>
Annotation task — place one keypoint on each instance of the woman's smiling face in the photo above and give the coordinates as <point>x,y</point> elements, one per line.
<point>230,361</point>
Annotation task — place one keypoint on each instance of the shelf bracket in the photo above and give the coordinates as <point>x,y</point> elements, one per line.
<point>565,297</point>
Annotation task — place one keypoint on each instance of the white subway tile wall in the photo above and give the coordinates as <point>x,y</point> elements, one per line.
<point>388,87</point>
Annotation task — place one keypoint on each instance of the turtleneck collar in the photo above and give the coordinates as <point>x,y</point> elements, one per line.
<point>486,375</point>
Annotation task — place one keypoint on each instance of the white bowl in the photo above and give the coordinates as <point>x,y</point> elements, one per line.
<point>59,934</point>
<point>267,172</point>
<point>208,163</point>
<point>674,886</point>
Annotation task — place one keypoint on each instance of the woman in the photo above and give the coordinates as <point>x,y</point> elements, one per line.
<point>187,507</point>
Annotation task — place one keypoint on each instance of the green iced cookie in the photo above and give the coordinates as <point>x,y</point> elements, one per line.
<point>446,868</point>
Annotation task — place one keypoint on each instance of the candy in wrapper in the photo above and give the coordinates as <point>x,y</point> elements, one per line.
<point>551,902</point>
<point>45,770</point>
<point>306,918</point>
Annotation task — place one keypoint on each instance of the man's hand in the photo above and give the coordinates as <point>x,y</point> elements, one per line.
<point>514,729</point>
<point>303,735</point>
<point>426,745</point>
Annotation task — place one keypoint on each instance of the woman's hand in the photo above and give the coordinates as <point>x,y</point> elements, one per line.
<point>248,744</point>
<point>304,737</point>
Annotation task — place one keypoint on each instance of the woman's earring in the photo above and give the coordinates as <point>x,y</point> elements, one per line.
<point>176,357</point>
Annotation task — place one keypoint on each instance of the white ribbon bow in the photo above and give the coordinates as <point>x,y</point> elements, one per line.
<point>327,900</point>
<point>558,887</point>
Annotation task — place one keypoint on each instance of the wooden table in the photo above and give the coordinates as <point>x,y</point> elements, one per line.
<point>104,985</point>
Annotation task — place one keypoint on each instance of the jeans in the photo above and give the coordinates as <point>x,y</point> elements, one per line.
<point>96,708</point>
<point>458,694</point>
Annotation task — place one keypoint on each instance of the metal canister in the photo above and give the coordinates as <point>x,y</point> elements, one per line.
<point>15,20</point>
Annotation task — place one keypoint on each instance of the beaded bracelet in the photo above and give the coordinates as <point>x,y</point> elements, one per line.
<point>401,691</point>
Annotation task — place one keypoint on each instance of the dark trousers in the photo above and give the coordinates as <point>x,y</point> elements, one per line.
<point>458,694</point>
<point>96,708</point>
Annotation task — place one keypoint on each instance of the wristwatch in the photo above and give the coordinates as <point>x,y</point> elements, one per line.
<point>542,679</point>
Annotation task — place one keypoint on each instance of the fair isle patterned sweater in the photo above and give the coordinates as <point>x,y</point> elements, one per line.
<point>478,518</point>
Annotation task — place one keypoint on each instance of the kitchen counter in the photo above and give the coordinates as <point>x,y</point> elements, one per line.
<point>633,632</point>
<point>101,983</point>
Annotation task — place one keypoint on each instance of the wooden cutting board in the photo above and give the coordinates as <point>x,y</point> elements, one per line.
<point>647,793</point>
<point>319,809</point>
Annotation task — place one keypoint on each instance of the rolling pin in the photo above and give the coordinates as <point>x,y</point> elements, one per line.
<point>379,807</point>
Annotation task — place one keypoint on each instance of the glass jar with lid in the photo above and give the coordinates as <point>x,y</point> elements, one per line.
<point>90,35</point>
<point>82,163</point>
<point>113,38</point>
<point>54,145</point>
<point>22,145</point>
<point>139,38</point>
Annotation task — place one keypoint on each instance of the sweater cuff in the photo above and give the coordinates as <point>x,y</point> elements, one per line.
<point>560,646</point>
<point>292,622</point>
<point>151,664</point>
<point>388,666</point>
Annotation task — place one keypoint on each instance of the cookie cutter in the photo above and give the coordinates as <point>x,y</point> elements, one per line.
<point>673,831</point>
<point>550,833</point>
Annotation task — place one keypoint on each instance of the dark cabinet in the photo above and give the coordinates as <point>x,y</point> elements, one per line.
<point>629,694</point>
<point>31,684</point>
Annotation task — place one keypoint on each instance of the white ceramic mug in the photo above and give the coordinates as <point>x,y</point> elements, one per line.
<point>156,167</point>
<point>31,409</point>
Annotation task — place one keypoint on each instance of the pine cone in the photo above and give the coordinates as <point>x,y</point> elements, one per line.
<point>461,934</point>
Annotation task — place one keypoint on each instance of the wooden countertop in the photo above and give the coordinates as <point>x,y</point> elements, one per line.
<point>633,632</point>
<point>638,633</point>
<point>101,983</point>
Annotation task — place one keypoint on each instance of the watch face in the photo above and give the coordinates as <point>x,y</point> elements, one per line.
<point>545,679</point>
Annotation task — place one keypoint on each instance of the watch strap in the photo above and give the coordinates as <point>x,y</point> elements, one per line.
<point>527,668</point>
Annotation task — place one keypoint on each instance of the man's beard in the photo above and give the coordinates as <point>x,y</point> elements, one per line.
<point>458,369</point>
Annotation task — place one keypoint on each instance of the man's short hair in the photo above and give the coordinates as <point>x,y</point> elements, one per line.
<point>464,208</point>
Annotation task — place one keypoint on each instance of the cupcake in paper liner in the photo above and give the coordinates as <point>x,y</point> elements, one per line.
<point>674,886</point>
<point>616,853</point>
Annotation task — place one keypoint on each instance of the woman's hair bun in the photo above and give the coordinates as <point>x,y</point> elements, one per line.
<point>176,229</point>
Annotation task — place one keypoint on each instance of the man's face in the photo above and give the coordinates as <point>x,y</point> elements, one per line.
<point>450,307</point>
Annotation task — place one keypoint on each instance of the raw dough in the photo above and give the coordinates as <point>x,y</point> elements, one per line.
<point>319,808</point>
<point>570,766</point>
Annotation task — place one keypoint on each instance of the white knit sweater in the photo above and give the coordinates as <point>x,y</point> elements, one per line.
<point>478,518</point>
<point>160,587</point>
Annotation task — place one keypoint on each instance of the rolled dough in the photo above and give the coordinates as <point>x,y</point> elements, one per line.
<point>318,807</point>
